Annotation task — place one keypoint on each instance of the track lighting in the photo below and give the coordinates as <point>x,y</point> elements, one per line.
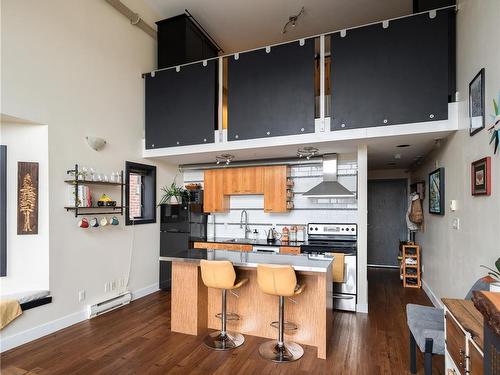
<point>307,152</point>
<point>292,21</point>
<point>224,158</point>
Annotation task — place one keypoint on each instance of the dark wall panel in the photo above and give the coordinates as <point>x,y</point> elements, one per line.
<point>391,76</point>
<point>181,107</point>
<point>271,94</point>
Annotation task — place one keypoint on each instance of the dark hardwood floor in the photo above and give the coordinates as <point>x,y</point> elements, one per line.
<point>136,339</point>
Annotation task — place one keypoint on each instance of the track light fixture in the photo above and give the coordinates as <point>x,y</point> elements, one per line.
<point>292,21</point>
<point>307,152</point>
<point>224,158</point>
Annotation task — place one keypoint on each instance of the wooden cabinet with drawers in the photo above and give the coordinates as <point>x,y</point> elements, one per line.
<point>270,181</point>
<point>464,338</point>
<point>455,343</point>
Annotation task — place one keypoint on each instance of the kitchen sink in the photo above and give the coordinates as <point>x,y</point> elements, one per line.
<point>238,240</point>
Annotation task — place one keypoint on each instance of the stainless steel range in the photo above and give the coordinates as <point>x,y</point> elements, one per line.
<point>325,238</point>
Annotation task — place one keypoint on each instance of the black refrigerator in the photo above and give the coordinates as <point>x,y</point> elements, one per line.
<point>180,226</point>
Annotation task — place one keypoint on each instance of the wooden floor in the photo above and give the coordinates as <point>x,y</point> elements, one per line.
<point>136,339</point>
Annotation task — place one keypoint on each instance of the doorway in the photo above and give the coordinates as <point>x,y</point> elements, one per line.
<point>387,205</point>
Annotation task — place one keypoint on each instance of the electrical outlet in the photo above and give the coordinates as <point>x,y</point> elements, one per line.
<point>422,268</point>
<point>455,223</point>
<point>113,285</point>
<point>81,295</point>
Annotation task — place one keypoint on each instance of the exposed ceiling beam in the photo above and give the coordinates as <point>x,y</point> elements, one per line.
<point>135,19</point>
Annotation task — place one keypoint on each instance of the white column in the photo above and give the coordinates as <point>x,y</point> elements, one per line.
<point>362,305</point>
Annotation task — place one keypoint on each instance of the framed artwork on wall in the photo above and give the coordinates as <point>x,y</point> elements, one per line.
<point>27,198</point>
<point>476,103</point>
<point>436,192</point>
<point>481,177</point>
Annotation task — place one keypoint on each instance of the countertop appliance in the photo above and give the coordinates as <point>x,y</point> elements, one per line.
<point>180,226</point>
<point>336,238</point>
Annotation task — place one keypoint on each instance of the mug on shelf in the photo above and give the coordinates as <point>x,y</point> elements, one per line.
<point>104,221</point>
<point>84,223</point>
<point>114,221</point>
<point>94,222</point>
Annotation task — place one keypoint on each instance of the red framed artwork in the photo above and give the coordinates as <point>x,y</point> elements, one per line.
<point>481,177</point>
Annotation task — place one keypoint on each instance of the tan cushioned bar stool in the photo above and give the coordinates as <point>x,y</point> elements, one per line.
<point>280,281</point>
<point>219,274</point>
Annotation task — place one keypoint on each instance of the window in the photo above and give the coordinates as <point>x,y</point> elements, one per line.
<point>140,193</point>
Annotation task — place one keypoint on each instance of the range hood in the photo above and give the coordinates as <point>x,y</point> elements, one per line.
<point>329,187</point>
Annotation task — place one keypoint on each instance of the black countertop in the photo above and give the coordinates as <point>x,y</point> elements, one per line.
<point>249,241</point>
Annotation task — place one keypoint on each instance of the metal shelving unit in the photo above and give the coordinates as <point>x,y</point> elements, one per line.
<point>96,210</point>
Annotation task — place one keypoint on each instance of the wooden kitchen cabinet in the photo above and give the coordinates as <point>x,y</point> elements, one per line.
<point>214,199</point>
<point>292,250</point>
<point>275,198</point>
<point>244,181</point>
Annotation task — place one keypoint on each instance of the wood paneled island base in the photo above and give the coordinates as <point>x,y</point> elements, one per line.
<point>194,306</point>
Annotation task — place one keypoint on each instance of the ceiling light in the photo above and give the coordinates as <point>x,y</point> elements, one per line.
<point>402,146</point>
<point>292,20</point>
<point>397,156</point>
<point>307,152</point>
<point>224,158</point>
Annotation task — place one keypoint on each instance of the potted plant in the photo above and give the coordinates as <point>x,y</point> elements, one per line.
<point>495,275</point>
<point>172,194</point>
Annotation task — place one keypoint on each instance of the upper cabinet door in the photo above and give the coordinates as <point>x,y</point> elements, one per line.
<point>181,107</point>
<point>394,75</point>
<point>271,94</point>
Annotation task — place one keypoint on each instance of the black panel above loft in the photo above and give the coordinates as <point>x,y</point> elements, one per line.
<point>394,75</point>
<point>271,94</point>
<point>181,107</point>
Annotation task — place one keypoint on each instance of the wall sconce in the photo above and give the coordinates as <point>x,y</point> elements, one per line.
<point>96,143</point>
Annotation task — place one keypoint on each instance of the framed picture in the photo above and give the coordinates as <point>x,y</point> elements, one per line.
<point>476,103</point>
<point>481,177</point>
<point>27,198</point>
<point>436,192</point>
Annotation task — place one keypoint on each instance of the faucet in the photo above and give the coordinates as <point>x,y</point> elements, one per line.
<point>247,228</point>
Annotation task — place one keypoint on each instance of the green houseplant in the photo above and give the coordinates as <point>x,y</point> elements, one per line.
<point>495,275</point>
<point>172,194</point>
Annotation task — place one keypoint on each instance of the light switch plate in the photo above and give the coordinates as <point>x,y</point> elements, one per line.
<point>81,295</point>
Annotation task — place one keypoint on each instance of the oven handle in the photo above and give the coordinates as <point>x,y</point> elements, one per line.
<point>338,296</point>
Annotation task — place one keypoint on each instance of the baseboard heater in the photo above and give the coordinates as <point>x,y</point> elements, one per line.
<point>108,305</point>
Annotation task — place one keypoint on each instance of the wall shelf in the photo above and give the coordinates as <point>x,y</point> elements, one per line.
<point>96,210</point>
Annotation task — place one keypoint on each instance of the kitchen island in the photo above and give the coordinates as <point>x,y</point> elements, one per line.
<point>194,306</point>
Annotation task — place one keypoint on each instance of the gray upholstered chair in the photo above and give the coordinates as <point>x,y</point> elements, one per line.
<point>426,325</point>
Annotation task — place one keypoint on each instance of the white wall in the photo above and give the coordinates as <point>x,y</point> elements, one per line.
<point>76,66</point>
<point>451,257</point>
<point>27,255</point>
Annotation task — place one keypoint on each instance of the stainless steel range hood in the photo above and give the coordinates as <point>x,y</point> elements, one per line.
<point>330,187</point>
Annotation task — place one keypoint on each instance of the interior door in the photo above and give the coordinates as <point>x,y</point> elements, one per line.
<point>387,205</point>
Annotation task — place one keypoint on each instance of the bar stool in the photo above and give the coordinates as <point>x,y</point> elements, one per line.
<point>219,274</point>
<point>278,280</point>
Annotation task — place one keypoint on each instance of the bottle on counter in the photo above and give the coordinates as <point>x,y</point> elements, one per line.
<point>255,234</point>
<point>285,234</point>
<point>301,233</point>
<point>293,233</point>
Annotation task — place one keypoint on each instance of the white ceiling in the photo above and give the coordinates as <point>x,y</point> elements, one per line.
<point>239,25</point>
<point>381,151</point>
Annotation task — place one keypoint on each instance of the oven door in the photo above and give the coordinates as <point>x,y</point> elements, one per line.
<point>350,277</point>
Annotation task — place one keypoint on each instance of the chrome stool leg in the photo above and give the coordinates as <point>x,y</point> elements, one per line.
<point>281,351</point>
<point>224,340</point>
